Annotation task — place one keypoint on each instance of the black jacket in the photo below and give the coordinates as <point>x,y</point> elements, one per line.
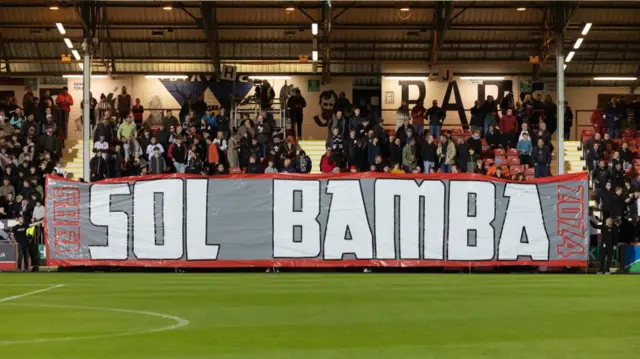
<point>475,144</point>
<point>303,164</point>
<point>429,152</point>
<point>608,235</point>
<point>395,153</point>
<point>98,168</point>
<point>600,177</point>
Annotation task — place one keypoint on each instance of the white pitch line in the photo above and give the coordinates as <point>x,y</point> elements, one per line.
<point>179,323</point>
<point>31,293</point>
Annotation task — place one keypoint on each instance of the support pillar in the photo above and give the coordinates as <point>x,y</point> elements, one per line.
<point>86,101</point>
<point>560,86</point>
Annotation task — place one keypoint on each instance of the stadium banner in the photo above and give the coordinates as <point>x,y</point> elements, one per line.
<point>337,220</point>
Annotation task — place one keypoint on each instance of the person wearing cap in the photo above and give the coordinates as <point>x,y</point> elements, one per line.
<point>19,235</point>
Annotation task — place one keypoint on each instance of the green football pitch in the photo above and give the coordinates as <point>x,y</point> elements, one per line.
<point>308,316</point>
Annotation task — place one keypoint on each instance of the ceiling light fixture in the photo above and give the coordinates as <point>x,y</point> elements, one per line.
<point>578,43</point>
<point>405,9</point>
<point>76,54</point>
<point>482,77</point>
<point>314,28</point>
<point>565,67</point>
<point>54,7</point>
<point>586,29</point>
<point>570,56</point>
<point>314,55</point>
<point>289,9</point>
<point>615,78</point>
<point>521,9</point>
<point>167,7</point>
<point>68,42</point>
<point>181,77</point>
<point>61,28</point>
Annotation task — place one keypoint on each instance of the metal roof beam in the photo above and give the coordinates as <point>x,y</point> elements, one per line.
<point>209,16</point>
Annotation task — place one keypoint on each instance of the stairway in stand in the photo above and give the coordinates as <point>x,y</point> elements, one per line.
<point>573,161</point>
<point>73,151</point>
<point>315,150</point>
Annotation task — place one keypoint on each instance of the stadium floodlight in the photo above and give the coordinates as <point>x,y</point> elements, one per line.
<point>586,29</point>
<point>76,54</point>
<point>578,43</point>
<point>68,42</point>
<point>570,56</point>
<point>61,28</point>
<point>615,78</point>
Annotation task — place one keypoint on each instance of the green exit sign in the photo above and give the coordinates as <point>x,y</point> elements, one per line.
<point>314,86</point>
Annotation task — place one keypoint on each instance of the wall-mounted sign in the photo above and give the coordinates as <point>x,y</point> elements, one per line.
<point>313,86</point>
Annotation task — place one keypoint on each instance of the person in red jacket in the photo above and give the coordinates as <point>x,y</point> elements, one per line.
<point>509,128</point>
<point>327,162</point>
<point>64,101</point>
<point>597,122</point>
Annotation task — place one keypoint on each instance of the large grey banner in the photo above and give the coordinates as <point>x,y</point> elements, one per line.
<point>293,220</point>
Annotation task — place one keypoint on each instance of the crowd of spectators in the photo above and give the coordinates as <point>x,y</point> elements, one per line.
<point>506,140</point>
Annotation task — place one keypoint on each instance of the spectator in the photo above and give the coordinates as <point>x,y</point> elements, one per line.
<point>541,156</point>
<point>49,143</point>
<point>178,154</point>
<point>494,138</point>
<point>233,156</point>
<point>223,123</point>
<point>402,113</point>
<point>613,115</point>
<point>303,163</point>
<point>403,132</point>
<point>429,154</point>
<point>436,117</point>
<point>373,148</point>
<point>342,104</point>
<point>446,153</point>
<point>157,165</point>
<point>327,162</point>
<point>477,122</point>
<point>213,155</point>
<point>597,121</point>
<point>154,145</point>
<point>475,141</point>
<point>525,149</point>
<point>271,168</point>
<point>499,173</point>
<point>102,146</point>
<point>124,104</point>
<point>288,166</point>
<point>103,107</point>
<point>296,105</point>
<point>28,102</point>
<point>471,164</point>
<point>254,167</point>
<point>509,129</point>
<point>131,146</point>
<point>355,121</point>
<point>335,141</point>
<point>170,120</point>
<point>462,154</point>
<point>7,189</point>
<point>507,103</point>
<point>98,167</point>
<point>18,119</point>
<point>194,164</point>
<point>263,133</point>
<point>138,111</point>
<point>418,114</point>
<point>489,113</point>
<point>105,128</point>
<point>626,155</point>
<point>409,160</point>
<point>568,120</point>
<point>64,101</point>
<point>338,122</point>
<point>128,129</point>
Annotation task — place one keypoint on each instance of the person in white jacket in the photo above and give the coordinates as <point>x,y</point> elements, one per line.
<point>154,144</point>
<point>101,145</point>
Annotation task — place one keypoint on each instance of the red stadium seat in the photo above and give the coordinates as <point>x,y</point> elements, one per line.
<point>628,133</point>
<point>636,161</point>
<point>529,177</point>
<point>513,152</point>
<point>488,161</point>
<point>456,132</point>
<point>484,142</point>
<point>529,171</point>
<point>486,150</point>
<point>513,160</point>
<point>499,152</point>
<point>586,138</point>
<point>501,159</point>
<point>466,137</point>
<point>516,169</point>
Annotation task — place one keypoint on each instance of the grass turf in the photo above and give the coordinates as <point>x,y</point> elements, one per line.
<point>308,316</point>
